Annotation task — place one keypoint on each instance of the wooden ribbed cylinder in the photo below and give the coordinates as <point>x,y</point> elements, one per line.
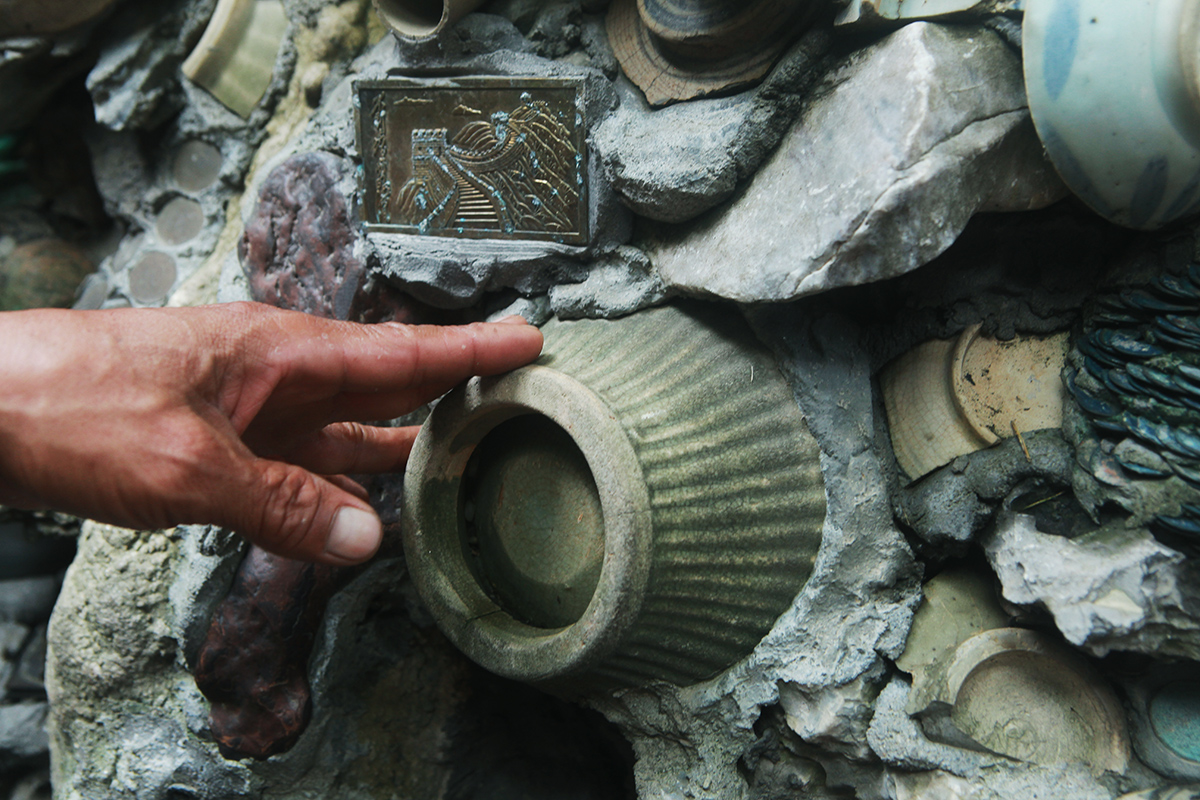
<point>691,409</point>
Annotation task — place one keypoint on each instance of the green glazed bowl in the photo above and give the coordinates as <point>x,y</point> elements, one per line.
<point>641,504</point>
<point>1114,89</point>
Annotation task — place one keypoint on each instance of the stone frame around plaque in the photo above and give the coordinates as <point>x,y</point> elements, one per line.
<point>475,157</point>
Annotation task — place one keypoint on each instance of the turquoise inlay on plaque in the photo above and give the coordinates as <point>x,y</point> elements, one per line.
<point>1175,715</point>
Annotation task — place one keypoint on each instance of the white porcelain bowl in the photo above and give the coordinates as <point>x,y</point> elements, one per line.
<point>1114,89</point>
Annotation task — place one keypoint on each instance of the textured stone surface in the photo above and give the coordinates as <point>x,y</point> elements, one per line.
<point>876,12</point>
<point>617,284</point>
<point>673,163</point>
<point>298,249</point>
<point>952,505</point>
<point>903,143</point>
<point>1111,589</point>
<point>397,712</point>
<point>136,81</point>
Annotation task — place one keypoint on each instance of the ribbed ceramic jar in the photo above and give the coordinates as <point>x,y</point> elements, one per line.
<point>641,504</point>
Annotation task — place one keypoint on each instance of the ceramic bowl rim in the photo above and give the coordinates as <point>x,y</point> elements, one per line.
<point>470,619</point>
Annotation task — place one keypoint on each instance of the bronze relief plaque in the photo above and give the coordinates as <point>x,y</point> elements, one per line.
<point>476,158</point>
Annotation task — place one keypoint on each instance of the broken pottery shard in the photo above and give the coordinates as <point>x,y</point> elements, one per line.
<point>476,158</point>
<point>948,398</point>
<point>681,51</point>
<point>907,140</point>
<point>1166,719</point>
<point>253,665</point>
<point>235,58</point>
<point>418,20</point>
<point>957,605</point>
<point>1020,694</point>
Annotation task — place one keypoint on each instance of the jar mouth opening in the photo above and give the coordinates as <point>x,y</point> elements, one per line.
<point>531,522</point>
<point>514,635</point>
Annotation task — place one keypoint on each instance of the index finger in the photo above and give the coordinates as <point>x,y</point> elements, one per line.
<point>325,357</point>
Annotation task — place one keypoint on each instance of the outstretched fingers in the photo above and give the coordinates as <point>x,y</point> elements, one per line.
<point>338,357</point>
<point>349,447</point>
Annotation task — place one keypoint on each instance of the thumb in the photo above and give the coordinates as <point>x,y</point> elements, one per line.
<point>294,513</point>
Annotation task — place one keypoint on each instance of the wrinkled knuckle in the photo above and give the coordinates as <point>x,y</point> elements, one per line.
<point>291,501</point>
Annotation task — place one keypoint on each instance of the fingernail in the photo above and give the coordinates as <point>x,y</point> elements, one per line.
<point>355,535</point>
<point>512,319</point>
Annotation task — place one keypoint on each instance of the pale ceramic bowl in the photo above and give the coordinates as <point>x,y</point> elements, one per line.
<point>1114,89</point>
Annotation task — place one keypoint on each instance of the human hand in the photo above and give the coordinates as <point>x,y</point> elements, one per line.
<point>239,415</point>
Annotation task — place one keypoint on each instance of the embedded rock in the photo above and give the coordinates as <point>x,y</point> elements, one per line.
<point>617,284</point>
<point>951,506</point>
<point>834,718</point>
<point>900,146</point>
<point>673,163</point>
<point>396,710</point>
<point>298,248</point>
<point>1115,588</point>
<point>136,80</point>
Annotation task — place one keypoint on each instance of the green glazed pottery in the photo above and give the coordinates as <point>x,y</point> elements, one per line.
<point>1114,89</point>
<point>1165,705</point>
<point>638,505</point>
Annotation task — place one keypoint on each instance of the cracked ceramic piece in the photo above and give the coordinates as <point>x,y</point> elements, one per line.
<point>235,57</point>
<point>1114,94</point>
<point>947,398</point>
<point>1165,705</point>
<point>419,20</point>
<point>1019,694</point>
<point>678,50</point>
<point>900,145</point>
<point>957,605</point>
<point>639,505</point>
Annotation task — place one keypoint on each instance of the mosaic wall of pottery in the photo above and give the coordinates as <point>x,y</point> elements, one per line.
<point>863,460</point>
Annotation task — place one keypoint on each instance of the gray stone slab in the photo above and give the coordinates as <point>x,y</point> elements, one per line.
<point>901,146</point>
